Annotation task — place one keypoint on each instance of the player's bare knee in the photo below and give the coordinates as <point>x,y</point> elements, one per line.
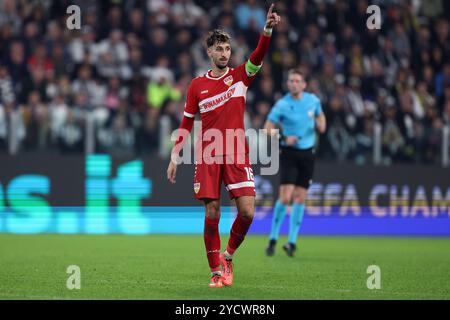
<point>212,210</point>
<point>247,213</point>
<point>213,214</point>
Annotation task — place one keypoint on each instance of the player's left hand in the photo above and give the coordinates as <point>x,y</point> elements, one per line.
<point>272,18</point>
<point>172,172</point>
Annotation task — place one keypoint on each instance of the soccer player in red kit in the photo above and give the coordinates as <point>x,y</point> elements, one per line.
<point>219,97</point>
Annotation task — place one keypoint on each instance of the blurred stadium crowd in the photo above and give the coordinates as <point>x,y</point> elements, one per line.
<point>129,65</point>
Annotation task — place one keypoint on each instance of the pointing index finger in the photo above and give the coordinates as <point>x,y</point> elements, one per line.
<point>271,8</point>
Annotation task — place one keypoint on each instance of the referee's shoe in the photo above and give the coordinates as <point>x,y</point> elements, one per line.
<point>270,250</point>
<point>289,248</point>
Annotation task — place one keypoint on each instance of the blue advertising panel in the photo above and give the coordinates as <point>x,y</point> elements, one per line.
<point>100,195</point>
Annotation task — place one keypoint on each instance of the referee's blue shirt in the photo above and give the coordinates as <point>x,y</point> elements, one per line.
<point>297,118</point>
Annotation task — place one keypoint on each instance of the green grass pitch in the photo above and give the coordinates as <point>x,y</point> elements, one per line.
<point>175,267</point>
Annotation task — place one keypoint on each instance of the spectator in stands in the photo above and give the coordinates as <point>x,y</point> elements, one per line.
<point>250,13</point>
<point>35,124</point>
<point>392,141</point>
<point>3,129</point>
<point>130,64</point>
<point>160,88</point>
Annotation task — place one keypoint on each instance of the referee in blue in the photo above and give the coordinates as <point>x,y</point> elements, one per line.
<point>298,114</point>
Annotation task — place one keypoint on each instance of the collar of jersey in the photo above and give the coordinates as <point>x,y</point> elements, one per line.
<point>296,100</point>
<point>212,78</point>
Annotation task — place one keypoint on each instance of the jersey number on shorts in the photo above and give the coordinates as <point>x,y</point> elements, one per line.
<point>249,171</point>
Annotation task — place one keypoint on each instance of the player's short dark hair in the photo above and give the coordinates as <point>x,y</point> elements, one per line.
<point>217,36</point>
<point>299,72</point>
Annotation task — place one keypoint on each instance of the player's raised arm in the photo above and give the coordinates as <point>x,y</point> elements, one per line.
<point>272,19</point>
<point>254,63</point>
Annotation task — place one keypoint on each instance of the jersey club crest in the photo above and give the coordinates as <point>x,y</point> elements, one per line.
<point>228,80</point>
<point>197,187</point>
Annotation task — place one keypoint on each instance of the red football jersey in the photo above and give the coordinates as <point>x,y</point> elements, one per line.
<point>221,103</point>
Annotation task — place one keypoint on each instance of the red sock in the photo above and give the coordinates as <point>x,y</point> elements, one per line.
<point>238,231</point>
<point>212,243</point>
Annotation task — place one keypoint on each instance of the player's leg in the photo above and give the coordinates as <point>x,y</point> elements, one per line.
<point>211,238</point>
<point>239,181</point>
<point>288,178</point>
<point>207,188</point>
<point>304,179</point>
<point>246,210</point>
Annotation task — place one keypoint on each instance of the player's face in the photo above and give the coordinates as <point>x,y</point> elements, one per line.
<point>220,54</point>
<point>296,84</point>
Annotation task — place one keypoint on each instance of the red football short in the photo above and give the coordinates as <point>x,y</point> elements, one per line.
<point>236,175</point>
